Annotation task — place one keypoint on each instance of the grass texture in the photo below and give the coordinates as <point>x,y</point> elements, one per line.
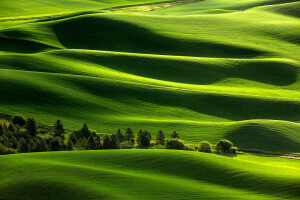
<point>209,70</point>
<point>147,174</point>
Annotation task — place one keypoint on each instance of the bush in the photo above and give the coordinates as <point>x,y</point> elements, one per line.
<point>175,144</point>
<point>19,120</point>
<point>224,146</point>
<point>234,150</point>
<point>59,128</point>
<point>5,150</point>
<point>175,135</point>
<point>205,147</point>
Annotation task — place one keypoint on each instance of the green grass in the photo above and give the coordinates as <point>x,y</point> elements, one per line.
<point>147,174</point>
<point>209,70</point>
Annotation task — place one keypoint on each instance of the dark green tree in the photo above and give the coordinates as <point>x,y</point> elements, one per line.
<point>115,143</point>
<point>41,145</point>
<point>91,143</point>
<point>73,138</point>
<point>175,135</point>
<point>31,126</point>
<point>120,136</point>
<point>129,136</point>
<point>98,142</point>
<point>70,145</point>
<point>54,144</point>
<point>23,146</point>
<point>19,120</point>
<point>107,144</point>
<point>160,137</point>
<point>85,131</point>
<point>144,139</point>
<point>59,128</point>
<point>1,130</point>
<point>11,128</point>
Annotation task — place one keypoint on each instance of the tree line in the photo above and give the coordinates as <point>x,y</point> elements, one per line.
<point>20,135</point>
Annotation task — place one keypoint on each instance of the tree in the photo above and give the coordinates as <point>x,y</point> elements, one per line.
<point>120,136</point>
<point>1,130</point>
<point>175,135</point>
<point>129,136</point>
<point>85,132</point>
<point>107,142</point>
<point>73,138</point>
<point>224,146</point>
<point>98,142</point>
<point>23,146</point>
<point>70,145</point>
<point>91,143</point>
<point>54,144</point>
<point>115,143</point>
<point>144,139</point>
<point>59,128</point>
<point>31,126</point>
<point>160,137</point>
<point>175,144</point>
<point>11,128</point>
<point>41,145</point>
<point>205,147</point>
<point>19,120</point>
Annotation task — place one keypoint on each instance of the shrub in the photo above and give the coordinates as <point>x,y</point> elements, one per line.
<point>1,130</point>
<point>175,144</point>
<point>205,147</point>
<point>224,146</point>
<point>234,150</point>
<point>5,150</point>
<point>73,138</point>
<point>19,120</point>
<point>175,135</point>
<point>160,138</point>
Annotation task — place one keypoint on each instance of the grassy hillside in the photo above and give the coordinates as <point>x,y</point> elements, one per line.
<point>147,174</point>
<point>192,68</point>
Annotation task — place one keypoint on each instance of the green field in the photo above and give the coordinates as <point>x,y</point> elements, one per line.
<point>209,70</point>
<point>147,174</point>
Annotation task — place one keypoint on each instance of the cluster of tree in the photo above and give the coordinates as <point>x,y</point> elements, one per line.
<point>25,136</point>
<point>22,135</point>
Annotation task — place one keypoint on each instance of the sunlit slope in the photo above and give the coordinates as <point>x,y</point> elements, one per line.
<point>35,8</point>
<point>147,174</point>
<point>214,76</point>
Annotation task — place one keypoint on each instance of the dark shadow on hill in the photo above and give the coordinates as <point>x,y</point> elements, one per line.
<point>48,189</point>
<point>258,137</point>
<point>193,72</point>
<point>21,46</point>
<point>220,105</point>
<point>100,33</point>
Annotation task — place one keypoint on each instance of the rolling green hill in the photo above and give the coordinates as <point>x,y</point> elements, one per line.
<point>147,174</point>
<point>192,68</point>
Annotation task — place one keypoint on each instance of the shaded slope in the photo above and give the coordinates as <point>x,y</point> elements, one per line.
<point>150,174</point>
